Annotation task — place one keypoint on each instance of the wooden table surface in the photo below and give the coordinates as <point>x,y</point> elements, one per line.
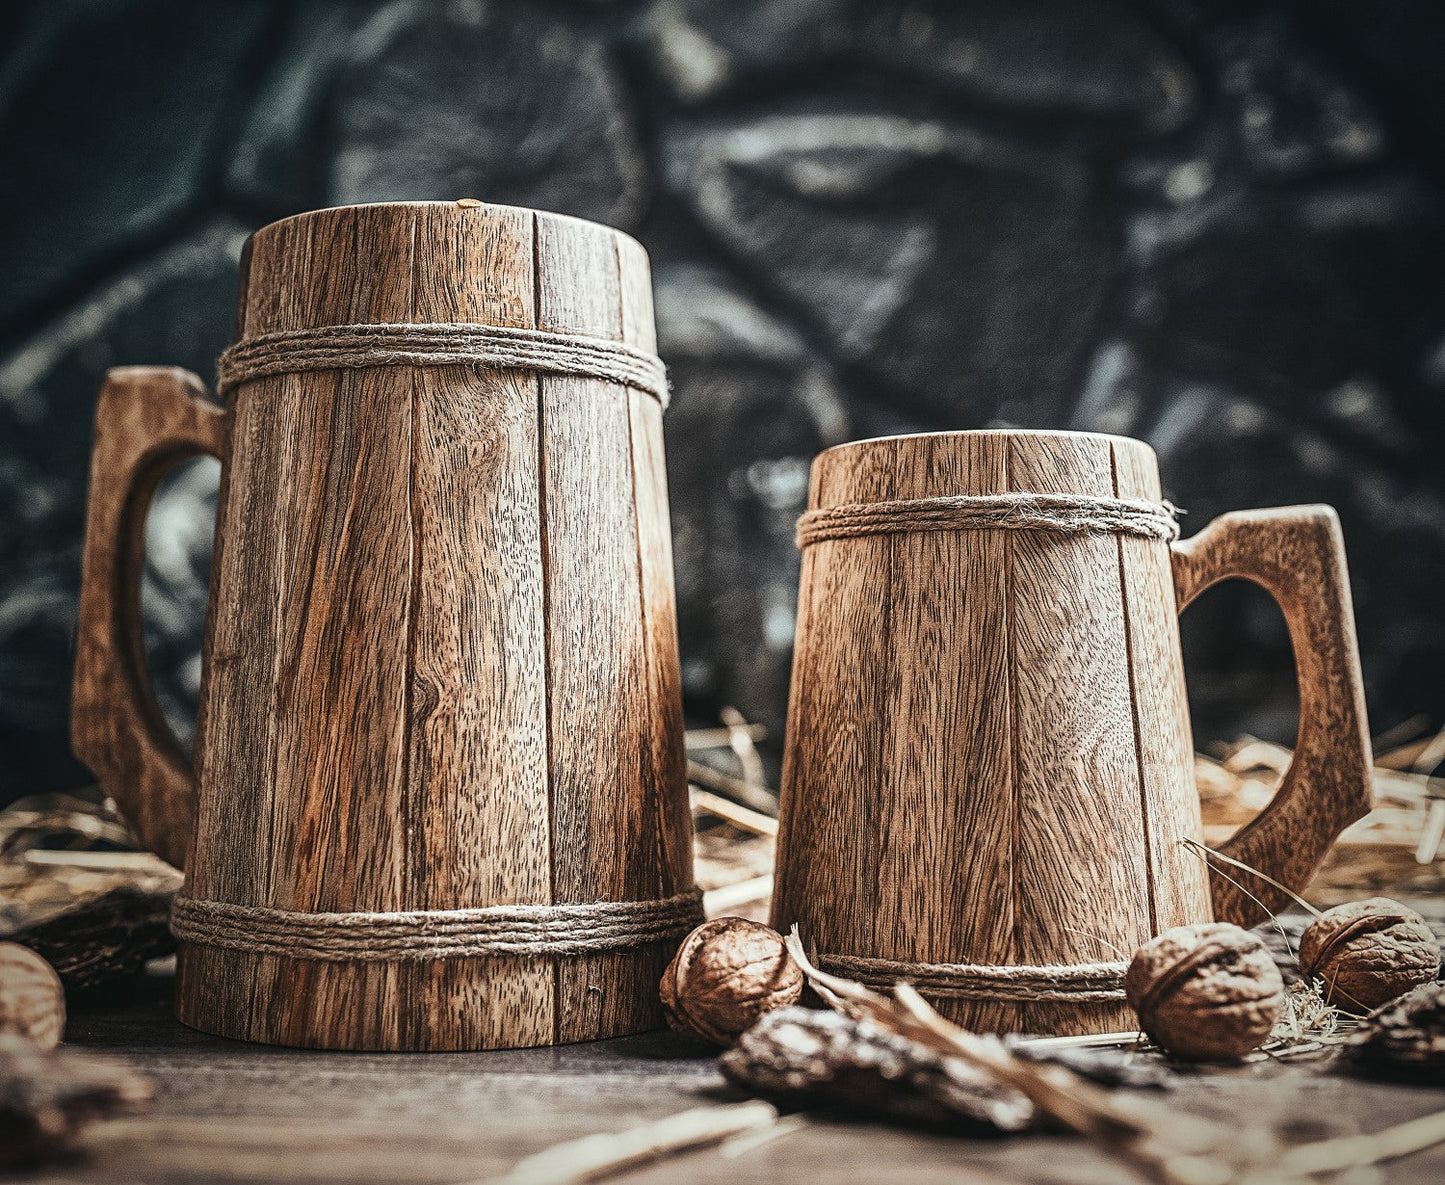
<point>230,1111</point>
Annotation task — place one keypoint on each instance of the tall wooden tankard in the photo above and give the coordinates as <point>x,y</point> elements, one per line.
<point>989,766</point>
<point>439,794</point>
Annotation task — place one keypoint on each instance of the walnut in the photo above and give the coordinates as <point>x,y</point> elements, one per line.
<point>1209,992</point>
<point>1405,1039</point>
<point>32,1002</point>
<point>1366,953</point>
<point>725,975</point>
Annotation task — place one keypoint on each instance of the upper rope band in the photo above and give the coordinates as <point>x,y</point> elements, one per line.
<point>436,933</point>
<point>1069,514</point>
<point>1074,983</point>
<point>352,347</point>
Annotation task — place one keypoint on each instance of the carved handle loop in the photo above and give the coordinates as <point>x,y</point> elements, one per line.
<point>148,419</point>
<point>1297,554</point>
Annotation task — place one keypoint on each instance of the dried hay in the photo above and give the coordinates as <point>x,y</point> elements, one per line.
<point>1396,849</point>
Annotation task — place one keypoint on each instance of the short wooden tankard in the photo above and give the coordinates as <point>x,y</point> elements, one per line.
<point>439,795</point>
<point>989,767</point>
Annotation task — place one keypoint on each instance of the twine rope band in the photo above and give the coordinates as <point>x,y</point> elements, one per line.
<point>341,347</point>
<point>1072,983</point>
<point>1069,514</point>
<point>436,933</point>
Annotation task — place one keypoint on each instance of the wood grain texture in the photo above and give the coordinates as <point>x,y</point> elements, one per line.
<point>1297,554</point>
<point>989,756</point>
<point>828,872</point>
<point>1081,888</point>
<point>664,769</point>
<point>147,420</point>
<point>957,625</point>
<point>603,811</point>
<point>434,679</point>
<point>479,653</point>
<point>1178,879</point>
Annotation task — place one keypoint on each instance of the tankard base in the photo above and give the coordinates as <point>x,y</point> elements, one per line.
<point>418,1006</point>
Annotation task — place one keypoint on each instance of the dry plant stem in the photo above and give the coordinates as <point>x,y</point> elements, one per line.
<point>1350,1152</point>
<point>740,740</point>
<point>727,897</point>
<point>730,811</point>
<point>1395,846</point>
<point>1432,833</point>
<point>20,829</point>
<point>1403,757</point>
<point>1306,1013</point>
<point>1153,1148</point>
<point>741,1145</point>
<point>1407,754</point>
<point>1273,917</point>
<point>757,797</point>
<point>1424,764</point>
<point>101,861</point>
<point>1086,1041</point>
<point>1164,1153</point>
<point>1243,867</point>
<point>1431,755</point>
<point>698,739</point>
<point>594,1157</point>
<point>1401,734</point>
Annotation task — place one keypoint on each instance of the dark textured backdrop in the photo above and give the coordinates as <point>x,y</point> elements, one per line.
<point>1215,226</point>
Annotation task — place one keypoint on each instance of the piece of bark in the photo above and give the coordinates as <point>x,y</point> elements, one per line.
<point>48,1097</point>
<point>1405,1039</point>
<point>32,1000</point>
<point>1125,1067</point>
<point>804,1058</point>
<point>1282,936</point>
<point>101,940</point>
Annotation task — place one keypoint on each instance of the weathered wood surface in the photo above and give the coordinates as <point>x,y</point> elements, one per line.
<point>147,420</point>
<point>441,661</point>
<point>989,757</point>
<point>1297,554</point>
<point>228,1111</point>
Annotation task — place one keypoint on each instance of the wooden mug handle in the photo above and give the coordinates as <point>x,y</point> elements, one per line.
<point>148,419</point>
<point>1297,554</point>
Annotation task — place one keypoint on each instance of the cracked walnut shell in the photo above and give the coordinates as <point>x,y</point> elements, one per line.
<point>1208,992</point>
<point>1366,953</point>
<point>1405,1039</point>
<point>32,1001</point>
<point>725,975</point>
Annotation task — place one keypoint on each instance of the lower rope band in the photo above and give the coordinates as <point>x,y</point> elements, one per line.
<point>1071,983</point>
<point>352,347</point>
<point>1068,514</point>
<point>436,933</point>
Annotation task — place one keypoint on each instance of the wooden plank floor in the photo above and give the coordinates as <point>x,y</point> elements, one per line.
<point>229,1111</point>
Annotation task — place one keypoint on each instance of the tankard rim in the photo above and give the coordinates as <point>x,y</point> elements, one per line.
<point>974,433</point>
<point>465,203</point>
